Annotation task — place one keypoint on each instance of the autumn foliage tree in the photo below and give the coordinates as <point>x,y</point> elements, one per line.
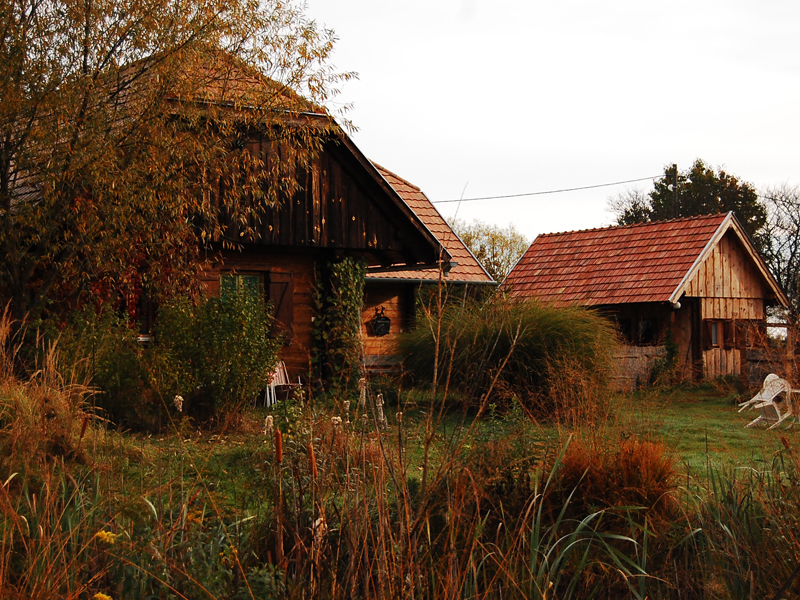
<point>122,136</point>
<point>701,190</point>
<point>497,248</point>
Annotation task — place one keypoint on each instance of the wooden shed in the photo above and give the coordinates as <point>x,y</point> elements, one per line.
<point>698,281</point>
<point>391,292</point>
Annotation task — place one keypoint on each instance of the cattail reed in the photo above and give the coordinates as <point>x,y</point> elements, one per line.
<point>278,446</point>
<point>313,460</point>
<point>84,426</point>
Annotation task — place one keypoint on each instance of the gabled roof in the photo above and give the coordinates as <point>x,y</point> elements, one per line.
<point>467,268</point>
<point>648,262</point>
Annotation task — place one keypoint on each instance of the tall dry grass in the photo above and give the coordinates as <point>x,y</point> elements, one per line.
<point>349,505</point>
<point>68,526</point>
<point>45,416</point>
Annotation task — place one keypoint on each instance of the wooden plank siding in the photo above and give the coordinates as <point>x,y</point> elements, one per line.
<point>339,206</point>
<point>727,273</point>
<point>718,362</point>
<point>729,288</point>
<point>302,267</point>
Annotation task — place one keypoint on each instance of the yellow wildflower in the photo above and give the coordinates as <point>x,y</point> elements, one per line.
<point>106,536</point>
<point>101,596</point>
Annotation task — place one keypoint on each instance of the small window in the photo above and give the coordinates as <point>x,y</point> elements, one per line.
<point>715,334</point>
<point>251,284</point>
<point>648,331</point>
<point>719,333</point>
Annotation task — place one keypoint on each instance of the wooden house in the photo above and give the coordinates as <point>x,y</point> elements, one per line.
<point>344,207</point>
<point>698,281</point>
<point>391,292</point>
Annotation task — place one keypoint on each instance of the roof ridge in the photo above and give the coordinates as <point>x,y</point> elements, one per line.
<point>633,225</point>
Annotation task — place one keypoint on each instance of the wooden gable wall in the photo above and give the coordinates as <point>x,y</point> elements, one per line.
<point>729,284</point>
<point>728,287</point>
<point>339,206</point>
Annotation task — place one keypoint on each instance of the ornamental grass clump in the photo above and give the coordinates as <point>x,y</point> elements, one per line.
<point>45,416</point>
<point>557,362</point>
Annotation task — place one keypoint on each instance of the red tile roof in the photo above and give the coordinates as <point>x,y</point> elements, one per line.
<point>467,269</point>
<point>613,265</point>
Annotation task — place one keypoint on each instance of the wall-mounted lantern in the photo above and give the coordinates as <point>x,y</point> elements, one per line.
<point>380,323</point>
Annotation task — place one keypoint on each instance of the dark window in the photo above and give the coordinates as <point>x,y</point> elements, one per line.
<point>626,330</point>
<point>648,331</point>
<point>727,334</point>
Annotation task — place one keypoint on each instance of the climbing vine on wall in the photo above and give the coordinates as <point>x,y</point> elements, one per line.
<point>339,301</point>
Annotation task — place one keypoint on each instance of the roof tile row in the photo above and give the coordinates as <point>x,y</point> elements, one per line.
<point>467,269</point>
<point>636,263</point>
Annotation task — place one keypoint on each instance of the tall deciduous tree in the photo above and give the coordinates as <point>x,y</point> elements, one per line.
<point>783,228</point>
<point>122,130</point>
<point>700,191</point>
<point>497,248</point>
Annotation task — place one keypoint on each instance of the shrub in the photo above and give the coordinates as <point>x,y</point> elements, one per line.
<point>555,361</point>
<point>628,473</point>
<point>218,353</point>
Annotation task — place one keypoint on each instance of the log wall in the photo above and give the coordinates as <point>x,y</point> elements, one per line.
<point>396,299</point>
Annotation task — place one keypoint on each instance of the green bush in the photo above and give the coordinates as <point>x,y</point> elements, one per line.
<point>217,353</point>
<point>555,361</point>
<point>102,350</point>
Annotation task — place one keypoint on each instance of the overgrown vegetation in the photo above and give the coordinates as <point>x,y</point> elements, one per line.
<point>557,362</point>
<point>426,502</point>
<point>337,325</point>
<point>124,154</point>
<point>217,354</point>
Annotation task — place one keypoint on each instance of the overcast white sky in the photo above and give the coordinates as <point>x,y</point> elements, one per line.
<point>512,96</point>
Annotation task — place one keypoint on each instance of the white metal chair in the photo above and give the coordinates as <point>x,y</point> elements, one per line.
<point>774,401</point>
<point>280,379</point>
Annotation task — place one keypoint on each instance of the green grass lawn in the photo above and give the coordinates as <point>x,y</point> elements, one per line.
<point>702,425</point>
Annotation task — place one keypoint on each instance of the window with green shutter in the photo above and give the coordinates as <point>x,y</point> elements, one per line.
<point>251,284</point>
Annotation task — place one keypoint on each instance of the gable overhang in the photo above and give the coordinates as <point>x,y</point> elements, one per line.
<point>730,223</point>
<point>449,232</point>
<point>429,253</point>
